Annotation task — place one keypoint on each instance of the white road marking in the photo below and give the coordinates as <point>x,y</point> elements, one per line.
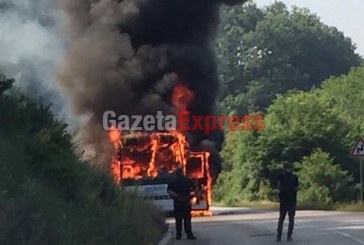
<point>306,227</point>
<point>350,237</point>
<point>352,227</point>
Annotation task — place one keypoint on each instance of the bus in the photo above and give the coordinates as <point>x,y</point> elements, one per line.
<point>146,162</point>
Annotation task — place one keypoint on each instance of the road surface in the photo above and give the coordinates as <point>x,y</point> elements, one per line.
<point>231,226</point>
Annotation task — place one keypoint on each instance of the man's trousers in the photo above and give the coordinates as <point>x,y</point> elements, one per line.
<point>183,214</point>
<point>290,208</point>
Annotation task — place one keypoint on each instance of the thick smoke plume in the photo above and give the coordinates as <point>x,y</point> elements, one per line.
<point>29,48</point>
<point>128,55</point>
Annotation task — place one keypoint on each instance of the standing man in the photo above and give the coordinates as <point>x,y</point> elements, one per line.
<point>180,189</point>
<point>288,187</point>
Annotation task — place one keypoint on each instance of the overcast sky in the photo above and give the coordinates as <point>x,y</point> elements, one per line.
<point>347,16</point>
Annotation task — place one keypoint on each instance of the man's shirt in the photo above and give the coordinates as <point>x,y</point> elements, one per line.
<point>288,183</point>
<point>182,186</point>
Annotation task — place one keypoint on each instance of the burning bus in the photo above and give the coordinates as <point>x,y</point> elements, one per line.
<point>147,162</point>
<point>137,58</point>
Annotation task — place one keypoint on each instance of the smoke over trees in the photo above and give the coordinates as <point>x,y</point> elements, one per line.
<point>30,46</point>
<point>127,56</point>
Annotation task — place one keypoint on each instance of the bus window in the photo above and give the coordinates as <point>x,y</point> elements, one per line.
<point>194,168</point>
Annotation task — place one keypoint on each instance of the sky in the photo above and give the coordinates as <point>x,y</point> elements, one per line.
<point>347,16</point>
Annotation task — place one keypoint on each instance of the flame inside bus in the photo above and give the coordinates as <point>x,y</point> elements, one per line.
<point>153,157</point>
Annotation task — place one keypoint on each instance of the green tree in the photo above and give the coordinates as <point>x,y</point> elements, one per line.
<point>48,195</point>
<point>242,164</point>
<point>296,125</point>
<point>273,50</point>
<point>322,181</point>
<point>5,83</point>
<point>346,96</point>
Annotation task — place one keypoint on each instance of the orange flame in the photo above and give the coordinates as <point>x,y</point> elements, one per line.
<point>202,213</point>
<point>209,180</point>
<point>115,168</point>
<point>182,96</point>
<point>114,137</point>
<point>146,155</point>
<point>152,170</point>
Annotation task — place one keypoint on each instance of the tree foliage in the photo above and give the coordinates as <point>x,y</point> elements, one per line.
<point>315,130</point>
<point>48,195</point>
<point>322,181</point>
<point>273,50</point>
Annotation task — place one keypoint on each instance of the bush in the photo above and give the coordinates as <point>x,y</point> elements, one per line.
<point>322,181</point>
<point>49,196</point>
<point>228,188</point>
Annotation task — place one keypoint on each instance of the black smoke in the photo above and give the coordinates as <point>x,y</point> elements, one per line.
<point>127,56</point>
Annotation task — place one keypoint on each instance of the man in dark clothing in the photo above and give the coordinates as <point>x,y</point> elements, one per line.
<point>180,189</point>
<point>288,186</point>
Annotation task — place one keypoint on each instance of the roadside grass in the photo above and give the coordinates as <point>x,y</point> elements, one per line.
<point>59,200</point>
<point>255,204</point>
<point>268,205</point>
<point>49,196</point>
<point>351,207</point>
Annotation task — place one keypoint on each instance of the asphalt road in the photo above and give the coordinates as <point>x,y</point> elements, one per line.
<point>231,226</point>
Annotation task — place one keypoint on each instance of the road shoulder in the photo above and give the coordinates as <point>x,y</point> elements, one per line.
<point>168,237</point>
